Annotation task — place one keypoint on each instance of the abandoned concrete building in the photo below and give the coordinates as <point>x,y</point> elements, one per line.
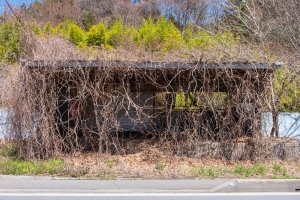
<point>212,101</point>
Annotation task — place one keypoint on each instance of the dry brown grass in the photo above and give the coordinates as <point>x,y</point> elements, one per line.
<point>54,48</point>
<point>9,78</point>
<point>154,164</point>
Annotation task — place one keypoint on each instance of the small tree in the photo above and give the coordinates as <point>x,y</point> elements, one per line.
<point>120,35</point>
<point>116,34</point>
<point>97,35</point>
<point>75,34</point>
<point>287,89</point>
<point>163,36</point>
<point>10,42</point>
<point>170,35</point>
<point>147,36</point>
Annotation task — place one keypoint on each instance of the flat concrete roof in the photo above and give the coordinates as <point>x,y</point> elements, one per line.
<point>148,65</point>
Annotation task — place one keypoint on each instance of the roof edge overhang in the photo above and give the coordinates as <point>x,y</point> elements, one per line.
<point>147,65</point>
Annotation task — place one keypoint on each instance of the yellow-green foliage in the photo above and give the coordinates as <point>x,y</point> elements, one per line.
<point>287,88</point>
<point>116,34</point>
<point>68,30</point>
<point>97,35</point>
<point>60,29</point>
<point>204,40</point>
<point>10,42</point>
<point>22,167</point>
<point>76,34</point>
<point>188,33</point>
<point>147,36</point>
<point>160,36</point>
<point>201,40</point>
<point>184,100</point>
<point>199,100</point>
<point>48,29</point>
<point>120,35</point>
<point>36,28</point>
<point>226,38</point>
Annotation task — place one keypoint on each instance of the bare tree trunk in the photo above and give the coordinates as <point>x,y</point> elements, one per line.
<point>275,113</point>
<point>275,127</point>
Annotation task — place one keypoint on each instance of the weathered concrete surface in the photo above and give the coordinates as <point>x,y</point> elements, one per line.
<point>16,184</point>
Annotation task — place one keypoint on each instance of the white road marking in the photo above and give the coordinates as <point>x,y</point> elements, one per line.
<point>145,194</point>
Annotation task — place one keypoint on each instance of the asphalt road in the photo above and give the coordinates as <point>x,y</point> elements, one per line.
<point>47,188</point>
<point>159,196</point>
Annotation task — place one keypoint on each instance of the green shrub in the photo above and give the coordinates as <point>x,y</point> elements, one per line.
<point>116,34</point>
<point>170,34</point>
<point>287,88</point>
<point>188,34</point>
<point>60,29</point>
<point>70,31</point>
<point>10,42</point>
<point>120,35</point>
<point>75,34</point>
<point>201,40</point>
<point>204,40</point>
<point>160,36</point>
<point>97,35</point>
<point>147,36</point>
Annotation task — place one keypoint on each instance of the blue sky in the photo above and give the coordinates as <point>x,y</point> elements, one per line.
<point>3,6</point>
